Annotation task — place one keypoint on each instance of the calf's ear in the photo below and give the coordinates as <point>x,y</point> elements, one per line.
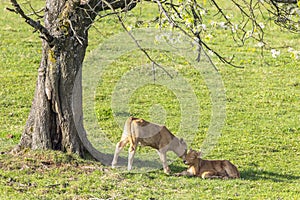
<point>199,154</point>
<point>181,140</point>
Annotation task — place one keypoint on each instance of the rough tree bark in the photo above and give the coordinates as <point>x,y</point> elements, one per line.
<point>50,124</point>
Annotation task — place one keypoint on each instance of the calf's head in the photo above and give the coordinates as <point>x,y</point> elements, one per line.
<point>192,157</point>
<point>183,148</point>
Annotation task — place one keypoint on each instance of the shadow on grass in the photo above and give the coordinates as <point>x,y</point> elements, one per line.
<point>142,164</point>
<point>254,174</point>
<point>148,165</point>
<point>247,174</point>
<point>177,168</point>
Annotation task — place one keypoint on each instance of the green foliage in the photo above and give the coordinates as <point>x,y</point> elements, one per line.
<point>261,135</point>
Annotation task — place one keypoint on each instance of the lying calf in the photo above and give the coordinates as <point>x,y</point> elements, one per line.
<point>208,168</point>
<point>149,134</point>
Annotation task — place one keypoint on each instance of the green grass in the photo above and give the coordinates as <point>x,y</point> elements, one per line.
<point>261,135</point>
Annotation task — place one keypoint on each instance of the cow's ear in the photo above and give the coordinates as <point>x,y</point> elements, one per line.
<point>199,154</point>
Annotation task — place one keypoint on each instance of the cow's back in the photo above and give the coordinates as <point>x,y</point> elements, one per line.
<point>151,134</point>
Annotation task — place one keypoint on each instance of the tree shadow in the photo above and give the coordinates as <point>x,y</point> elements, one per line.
<point>252,174</point>
<point>177,168</point>
<point>255,174</point>
<point>143,164</point>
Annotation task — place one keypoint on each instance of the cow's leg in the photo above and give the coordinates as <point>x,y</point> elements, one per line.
<point>131,152</point>
<point>184,173</point>
<point>120,145</point>
<point>210,174</point>
<point>163,158</point>
<point>230,170</point>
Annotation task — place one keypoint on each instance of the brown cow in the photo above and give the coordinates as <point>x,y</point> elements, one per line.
<point>138,130</point>
<point>208,168</point>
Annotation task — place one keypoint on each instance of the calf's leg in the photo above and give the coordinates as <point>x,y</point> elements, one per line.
<point>131,152</point>
<point>210,174</point>
<point>163,158</point>
<point>231,170</point>
<point>184,173</point>
<point>120,145</point>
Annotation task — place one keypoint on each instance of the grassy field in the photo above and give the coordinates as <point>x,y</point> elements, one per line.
<point>261,134</point>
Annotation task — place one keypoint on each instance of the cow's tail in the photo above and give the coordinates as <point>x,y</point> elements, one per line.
<point>130,134</point>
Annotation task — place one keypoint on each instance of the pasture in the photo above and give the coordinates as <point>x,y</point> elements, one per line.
<point>260,136</point>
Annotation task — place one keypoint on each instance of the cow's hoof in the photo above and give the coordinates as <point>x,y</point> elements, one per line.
<point>167,171</point>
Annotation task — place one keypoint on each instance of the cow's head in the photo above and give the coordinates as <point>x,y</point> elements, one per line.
<point>192,157</point>
<point>183,148</point>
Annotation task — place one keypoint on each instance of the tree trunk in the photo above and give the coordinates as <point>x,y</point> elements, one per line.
<point>58,94</point>
<point>50,124</point>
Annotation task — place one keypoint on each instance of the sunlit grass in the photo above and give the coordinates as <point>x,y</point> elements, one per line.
<point>261,134</point>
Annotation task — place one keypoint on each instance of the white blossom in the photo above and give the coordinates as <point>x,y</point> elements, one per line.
<point>211,53</point>
<point>203,12</point>
<point>262,26</point>
<point>223,25</point>
<point>290,49</point>
<point>249,34</point>
<point>203,26</point>
<point>234,28</point>
<point>213,23</point>
<point>208,37</point>
<point>275,53</point>
<point>295,53</point>
<point>260,44</point>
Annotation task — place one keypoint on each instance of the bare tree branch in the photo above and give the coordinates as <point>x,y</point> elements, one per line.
<point>284,17</point>
<point>102,5</point>
<point>135,41</point>
<point>142,49</point>
<point>200,42</point>
<point>79,38</point>
<point>36,12</point>
<point>36,25</point>
<point>286,1</point>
